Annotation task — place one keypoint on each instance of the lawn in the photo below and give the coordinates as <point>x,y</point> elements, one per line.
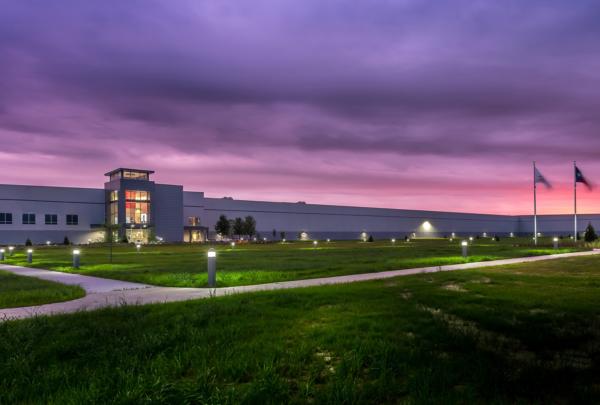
<point>521,333</point>
<point>185,265</point>
<point>20,291</point>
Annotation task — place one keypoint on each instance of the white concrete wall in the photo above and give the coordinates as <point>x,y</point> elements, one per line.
<point>321,221</point>
<point>555,225</point>
<point>87,203</point>
<point>193,206</point>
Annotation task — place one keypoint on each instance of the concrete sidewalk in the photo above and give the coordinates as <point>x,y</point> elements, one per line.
<point>106,293</point>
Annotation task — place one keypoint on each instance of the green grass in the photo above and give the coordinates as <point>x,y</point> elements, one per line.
<point>20,291</point>
<point>185,265</point>
<point>514,334</point>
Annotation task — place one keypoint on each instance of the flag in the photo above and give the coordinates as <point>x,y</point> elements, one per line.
<point>579,178</point>
<point>539,178</point>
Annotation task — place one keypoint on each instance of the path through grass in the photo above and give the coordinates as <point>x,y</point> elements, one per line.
<point>522,333</point>
<point>20,291</point>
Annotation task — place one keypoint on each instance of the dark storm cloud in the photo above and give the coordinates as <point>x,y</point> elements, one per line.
<point>501,81</point>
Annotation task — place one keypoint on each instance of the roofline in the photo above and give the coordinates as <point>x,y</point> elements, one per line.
<point>129,169</point>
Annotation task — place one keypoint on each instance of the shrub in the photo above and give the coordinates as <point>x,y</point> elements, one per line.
<point>28,242</point>
<point>66,241</point>
<point>496,238</point>
<point>590,233</point>
<point>124,239</point>
<point>370,238</point>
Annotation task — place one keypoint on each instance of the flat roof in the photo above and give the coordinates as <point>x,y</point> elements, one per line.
<point>120,169</point>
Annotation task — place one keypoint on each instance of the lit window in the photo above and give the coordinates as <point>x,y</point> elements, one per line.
<point>28,219</point>
<point>5,218</point>
<point>194,221</point>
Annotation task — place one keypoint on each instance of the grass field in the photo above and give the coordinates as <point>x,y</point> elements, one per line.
<point>521,333</point>
<point>19,291</point>
<point>185,265</point>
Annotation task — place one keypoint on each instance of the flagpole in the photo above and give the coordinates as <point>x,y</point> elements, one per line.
<point>575,199</point>
<point>535,233</point>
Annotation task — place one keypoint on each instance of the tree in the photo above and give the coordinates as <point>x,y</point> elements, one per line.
<point>66,241</point>
<point>222,226</point>
<point>282,235</point>
<point>590,233</point>
<point>28,242</point>
<point>249,226</point>
<point>370,238</point>
<point>238,227</point>
<point>274,233</point>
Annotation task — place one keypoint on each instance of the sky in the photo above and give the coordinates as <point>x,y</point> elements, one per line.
<point>404,104</point>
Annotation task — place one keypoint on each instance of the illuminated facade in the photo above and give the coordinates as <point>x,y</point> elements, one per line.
<point>132,206</point>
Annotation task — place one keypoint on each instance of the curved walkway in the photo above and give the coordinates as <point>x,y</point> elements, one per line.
<point>103,292</point>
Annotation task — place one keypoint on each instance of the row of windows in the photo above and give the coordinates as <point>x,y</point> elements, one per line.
<point>6,218</point>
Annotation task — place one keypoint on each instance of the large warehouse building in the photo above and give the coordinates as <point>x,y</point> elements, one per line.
<point>132,205</point>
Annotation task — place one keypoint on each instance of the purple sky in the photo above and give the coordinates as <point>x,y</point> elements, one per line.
<point>408,104</point>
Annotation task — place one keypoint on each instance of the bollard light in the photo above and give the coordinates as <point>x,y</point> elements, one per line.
<point>453,234</point>
<point>315,243</point>
<point>212,268</point>
<point>138,247</point>
<point>393,240</point>
<point>471,238</point>
<point>512,235</point>
<point>283,240</point>
<point>10,250</point>
<point>2,254</point>
<point>328,240</point>
<point>555,241</point>
<point>232,245</point>
<point>465,247</point>
<point>485,234</point>
<point>29,255</point>
<point>48,243</point>
<point>76,253</point>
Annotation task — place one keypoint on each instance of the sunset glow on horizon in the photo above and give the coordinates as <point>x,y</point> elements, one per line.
<point>408,104</point>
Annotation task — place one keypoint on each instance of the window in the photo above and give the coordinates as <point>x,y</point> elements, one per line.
<point>137,212</point>
<point>72,219</point>
<point>137,195</point>
<point>128,174</point>
<point>194,221</point>
<point>5,218</point>
<point>114,213</point>
<point>28,219</point>
<point>114,195</point>
<point>51,219</point>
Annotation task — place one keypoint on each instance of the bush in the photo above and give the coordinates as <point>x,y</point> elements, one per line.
<point>66,241</point>
<point>28,242</point>
<point>590,233</point>
<point>496,238</point>
<point>124,239</point>
<point>370,238</point>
